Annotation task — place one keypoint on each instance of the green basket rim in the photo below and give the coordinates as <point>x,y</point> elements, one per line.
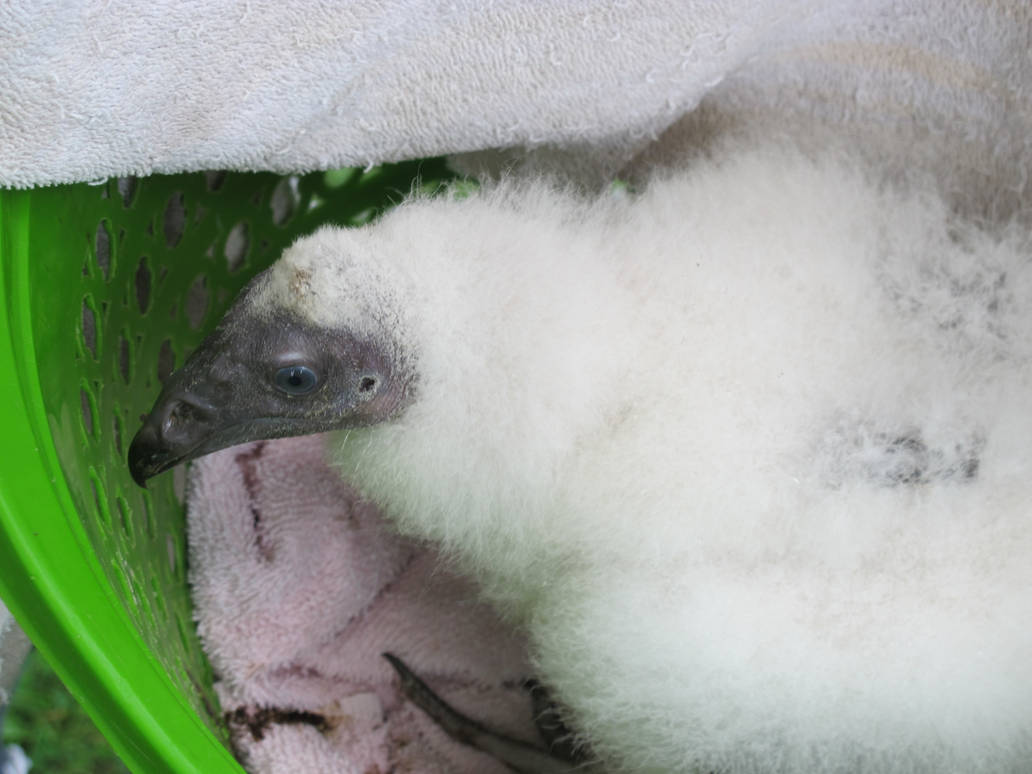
<point>92,647</point>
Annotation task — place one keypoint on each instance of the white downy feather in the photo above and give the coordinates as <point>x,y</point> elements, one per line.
<point>749,454</point>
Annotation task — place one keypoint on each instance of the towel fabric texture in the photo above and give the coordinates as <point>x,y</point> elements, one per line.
<point>94,88</point>
<point>299,588</point>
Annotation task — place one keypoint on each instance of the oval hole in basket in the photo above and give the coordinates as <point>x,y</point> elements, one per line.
<point>315,202</point>
<point>117,433</point>
<point>143,285</point>
<point>124,357</point>
<point>174,219</point>
<point>89,326</point>
<point>166,360</point>
<point>102,248</point>
<point>237,243</point>
<point>126,189</point>
<point>100,497</point>
<point>196,305</point>
<point>88,406</point>
<point>214,179</point>
<point>125,517</point>
<point>284,200</point>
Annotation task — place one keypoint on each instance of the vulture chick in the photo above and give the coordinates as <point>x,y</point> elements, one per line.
<point>748,454</point>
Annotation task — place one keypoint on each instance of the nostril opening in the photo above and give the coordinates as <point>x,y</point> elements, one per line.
<point>170,421</point>
<point>367,384</point>
<point>181,413</point>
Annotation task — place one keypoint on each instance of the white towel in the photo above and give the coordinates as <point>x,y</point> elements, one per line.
<point>93,88</point>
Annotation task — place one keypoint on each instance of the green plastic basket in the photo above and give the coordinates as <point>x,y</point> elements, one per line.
<point>105,289</point>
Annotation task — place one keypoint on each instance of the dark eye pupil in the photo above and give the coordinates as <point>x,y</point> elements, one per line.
<point>296,380</point>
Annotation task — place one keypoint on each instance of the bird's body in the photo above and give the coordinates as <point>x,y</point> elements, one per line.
<point>748,455</point>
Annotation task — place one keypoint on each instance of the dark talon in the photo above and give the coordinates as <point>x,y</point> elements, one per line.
<point>518,756</point>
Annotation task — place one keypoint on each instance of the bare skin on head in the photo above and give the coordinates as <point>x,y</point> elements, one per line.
<point>262,376</point>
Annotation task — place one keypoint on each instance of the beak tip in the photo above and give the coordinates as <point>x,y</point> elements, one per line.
<point>143,456</point>
<point>138,475</point>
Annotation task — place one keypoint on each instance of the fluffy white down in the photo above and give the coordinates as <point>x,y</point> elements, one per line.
<point>749,455</point>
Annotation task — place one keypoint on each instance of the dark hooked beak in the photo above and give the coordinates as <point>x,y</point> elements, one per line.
<point>222,395</point>
<point>208,405</point>
<point>180,427</point>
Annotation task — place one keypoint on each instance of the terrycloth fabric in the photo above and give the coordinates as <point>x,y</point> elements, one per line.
<point>298,588</point>
<point>938,95</point>
<point>93,88</point>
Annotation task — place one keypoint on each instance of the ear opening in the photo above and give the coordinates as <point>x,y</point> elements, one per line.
<point>368,385</point>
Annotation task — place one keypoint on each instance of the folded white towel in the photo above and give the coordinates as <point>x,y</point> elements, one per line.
<point>93,88</point>
<point>103,87</point>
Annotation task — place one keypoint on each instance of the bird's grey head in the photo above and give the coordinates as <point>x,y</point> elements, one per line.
<point>291,357</point>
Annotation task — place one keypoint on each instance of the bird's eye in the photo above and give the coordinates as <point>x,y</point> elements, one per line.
<point>296,379</point>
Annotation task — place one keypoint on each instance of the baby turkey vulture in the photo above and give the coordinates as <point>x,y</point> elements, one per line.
<point>747,454</point>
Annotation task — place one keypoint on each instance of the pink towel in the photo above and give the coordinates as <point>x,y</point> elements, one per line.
<point>299,586</point>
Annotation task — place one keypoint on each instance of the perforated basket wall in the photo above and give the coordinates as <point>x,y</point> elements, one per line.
<point>104,290</point>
